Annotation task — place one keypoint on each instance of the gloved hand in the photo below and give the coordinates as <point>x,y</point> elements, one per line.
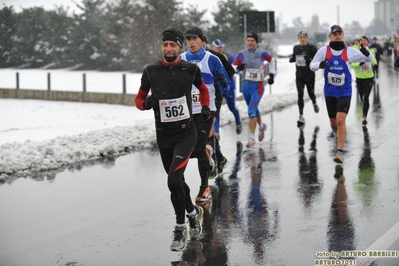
<point>206,113</point>
<point>361,63</point>
<point>221,79</point>
<point>307,59</point>
<point>292,59</point>
<point>150,103</point>
<point>270,81</point>
<point>241,67</point>
<point>364,50</point>
<point>323,64</point>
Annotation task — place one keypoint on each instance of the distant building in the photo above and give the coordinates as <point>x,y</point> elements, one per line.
<point>388,12</point>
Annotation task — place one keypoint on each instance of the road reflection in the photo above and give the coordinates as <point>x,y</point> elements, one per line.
<point>263,221</point>
<point>341,231</point>
<point>309,186</point>
<point>220,214</point>
<point>366,187</point>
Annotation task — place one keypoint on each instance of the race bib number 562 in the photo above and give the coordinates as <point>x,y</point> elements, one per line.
<point>173,110</point>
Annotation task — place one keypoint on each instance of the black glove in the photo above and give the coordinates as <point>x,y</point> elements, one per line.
<point>364,50</point>
<point>292,59</point>
<point>270,81</point>
<point>307,59</point>
<point>221,79</point>
<point>206,113</point>
<point>241,67</point>
<point>323,64</point>
<point>361,63</point>
<point>150,103</point>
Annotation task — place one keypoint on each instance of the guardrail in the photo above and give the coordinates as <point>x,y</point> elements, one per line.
<point>75,96</point>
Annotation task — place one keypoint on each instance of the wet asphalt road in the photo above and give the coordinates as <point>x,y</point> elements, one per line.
<point>283,202</point>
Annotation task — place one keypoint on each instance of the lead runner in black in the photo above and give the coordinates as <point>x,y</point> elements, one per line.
<point>170,81</point>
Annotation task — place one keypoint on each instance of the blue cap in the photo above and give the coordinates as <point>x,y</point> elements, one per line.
<point>218,43</point>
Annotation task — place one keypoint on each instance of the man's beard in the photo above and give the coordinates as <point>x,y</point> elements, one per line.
<point>170,59</point>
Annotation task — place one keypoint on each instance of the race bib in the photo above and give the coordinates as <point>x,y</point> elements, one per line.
<point>196,97</point>
<point>254,74</point>
<point>173,110</point>
<point>337,80</point>
<point>365,67</point>
<point>300,60</point>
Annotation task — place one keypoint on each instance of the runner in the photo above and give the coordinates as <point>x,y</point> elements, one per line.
<point>336,58</point>
<point>170,81</point>
<point>250,62</point>
<point>302,54</point>
<point>212,71</point>
<point>364,79</point>
<point>218,46</point>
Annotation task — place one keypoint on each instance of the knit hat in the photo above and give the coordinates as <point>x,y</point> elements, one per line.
<point>253,35</point>
<point>174,35</point>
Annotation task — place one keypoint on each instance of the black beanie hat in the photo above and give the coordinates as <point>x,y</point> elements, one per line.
<point>174,35</point>
<point>253,35</point>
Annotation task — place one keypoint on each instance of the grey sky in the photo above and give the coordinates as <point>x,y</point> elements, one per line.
<point>286,10</point>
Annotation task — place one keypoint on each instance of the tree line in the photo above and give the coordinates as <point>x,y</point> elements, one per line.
<point>120,36</point>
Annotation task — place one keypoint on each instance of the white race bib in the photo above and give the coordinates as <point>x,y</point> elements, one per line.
<point>300,60</point>
<point>253,74</point>
<point>365,67</point>
<point>196,97</point>
<point>173,110</point>
<point>337,80</point>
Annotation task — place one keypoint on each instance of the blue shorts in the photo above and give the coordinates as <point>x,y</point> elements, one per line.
<point>252,92</point>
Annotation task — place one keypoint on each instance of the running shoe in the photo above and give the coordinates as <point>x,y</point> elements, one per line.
<point>339,172</point>
<point>214,173</point>
<point>251,143</point>
<point>195,222</point>
<point>301,121</point>
<point>238,129</point>
<point>209,153</point>
<point>262,132</point>
<point>339,157</point>
<point>315,108</point>
<point>221,165</point>
<point>204,194</point>
<point>180,237</point>
<point>206,205</point>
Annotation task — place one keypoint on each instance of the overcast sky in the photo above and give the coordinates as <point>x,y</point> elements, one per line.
<point>286,10</point>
